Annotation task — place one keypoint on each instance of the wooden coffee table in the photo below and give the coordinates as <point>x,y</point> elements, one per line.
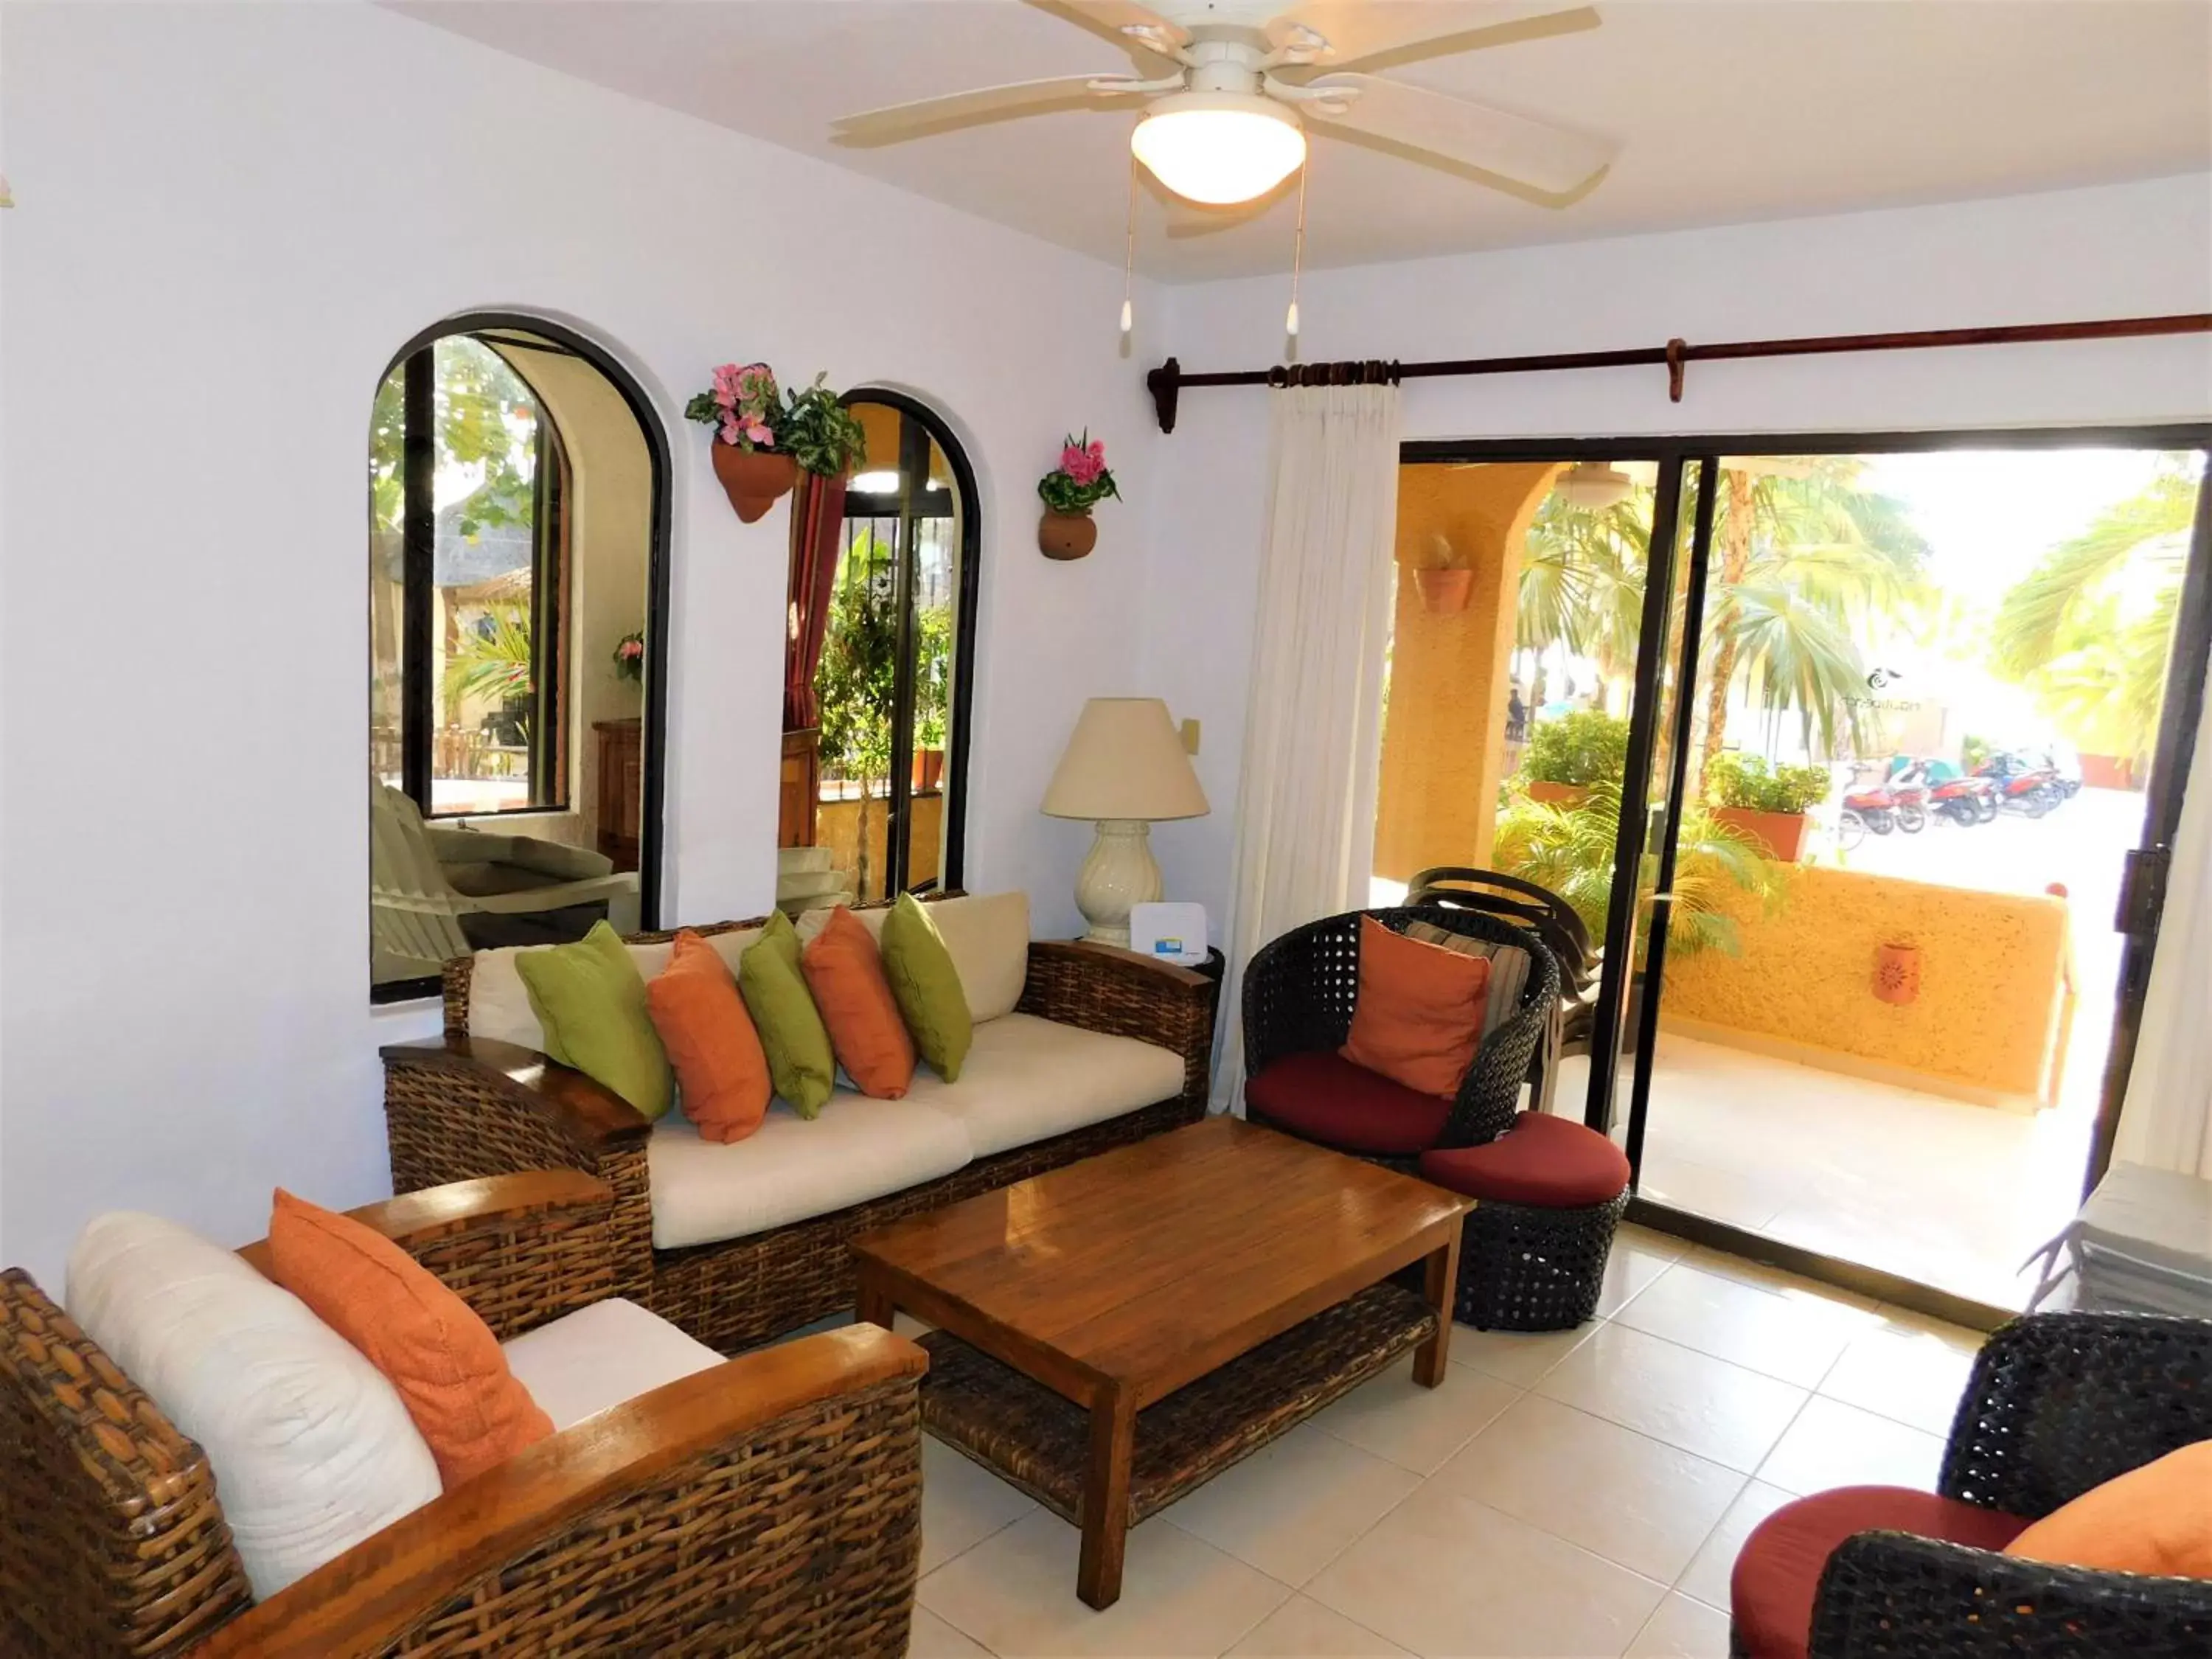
<point>1115,1332</point>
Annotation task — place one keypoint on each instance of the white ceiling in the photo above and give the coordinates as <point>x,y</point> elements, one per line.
<point>1731,111</point>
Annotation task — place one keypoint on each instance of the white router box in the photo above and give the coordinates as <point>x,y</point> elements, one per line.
<point>1173,933</point>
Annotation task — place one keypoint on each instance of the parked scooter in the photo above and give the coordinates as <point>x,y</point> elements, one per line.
<point>1952,794</point>
<point>1908,791</point>
<point>1874,806</point>
<point>2022,785</point>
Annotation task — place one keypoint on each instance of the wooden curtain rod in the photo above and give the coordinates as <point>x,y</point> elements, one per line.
<point>1168,380</point>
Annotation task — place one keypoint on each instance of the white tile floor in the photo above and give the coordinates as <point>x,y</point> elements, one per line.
<point>1578,1493</point>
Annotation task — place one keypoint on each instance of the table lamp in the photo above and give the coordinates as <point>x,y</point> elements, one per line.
<point>1124,768</point>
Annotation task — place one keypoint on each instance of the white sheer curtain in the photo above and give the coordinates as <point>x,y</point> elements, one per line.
<point>2167,1119</point>
<point>1305,808</point>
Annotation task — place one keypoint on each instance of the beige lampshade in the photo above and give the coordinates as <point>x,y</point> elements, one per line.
<point>1125,761</point>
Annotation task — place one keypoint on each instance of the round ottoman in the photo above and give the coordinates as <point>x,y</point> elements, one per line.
<point>1548,1195</point>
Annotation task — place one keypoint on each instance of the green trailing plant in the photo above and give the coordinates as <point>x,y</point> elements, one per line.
<point>1570,850</point>
<point>856,683</point>
<point>1584,748</point>
<point>1746,783</point>
<point>933,674</point>
<point>819,433</point>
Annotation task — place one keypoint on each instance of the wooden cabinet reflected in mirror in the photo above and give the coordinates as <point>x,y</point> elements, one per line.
<point>517,531</point>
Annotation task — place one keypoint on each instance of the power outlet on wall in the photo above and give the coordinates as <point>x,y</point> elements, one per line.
<point>1190,737</point>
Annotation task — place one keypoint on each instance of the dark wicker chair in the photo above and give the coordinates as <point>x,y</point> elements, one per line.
<point>771,1505</point>
<point>1553,921</point>
<point>1298,996</point>
<point>2057,1403</point>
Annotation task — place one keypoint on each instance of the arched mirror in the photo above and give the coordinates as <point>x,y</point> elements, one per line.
<point>517,487</point>
<point>875,793</point>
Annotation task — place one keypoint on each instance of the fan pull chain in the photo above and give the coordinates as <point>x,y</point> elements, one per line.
<point>1298,249</point>
<point>1129,257</point>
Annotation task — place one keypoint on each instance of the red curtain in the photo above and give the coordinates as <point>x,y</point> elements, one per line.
<point>818,521</point>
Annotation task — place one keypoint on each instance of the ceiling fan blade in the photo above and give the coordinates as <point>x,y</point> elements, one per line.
<point>1111,20</point>
<point>894,122</point>
<point>1405,31</point>
<point>1553,160</point>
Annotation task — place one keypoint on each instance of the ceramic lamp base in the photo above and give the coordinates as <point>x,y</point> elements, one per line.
<point>1119,872</point>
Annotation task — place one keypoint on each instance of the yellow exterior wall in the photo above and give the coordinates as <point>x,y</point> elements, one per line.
<point>1443,741</point>
<point>1991,1014</point>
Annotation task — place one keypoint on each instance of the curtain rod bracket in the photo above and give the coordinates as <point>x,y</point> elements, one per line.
<point>1675,363</point>
<point>1165,383</point>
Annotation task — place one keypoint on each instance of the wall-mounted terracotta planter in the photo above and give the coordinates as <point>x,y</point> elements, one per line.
<point>1778,835</point>
<point>1897,972</point>
<point>1559,795</point>
<point>1445,593</point>
<point>1066,535</point>
<point>753,479</point>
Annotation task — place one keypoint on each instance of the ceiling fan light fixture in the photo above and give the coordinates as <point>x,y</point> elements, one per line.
<point>1219,148</point>
<point>1594,485</point>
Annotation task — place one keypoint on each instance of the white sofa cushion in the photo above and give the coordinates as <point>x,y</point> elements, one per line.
<point>1027,1078</point>
<point>586,1362</point>
<point>312,1448</point>
<point>987,937</point>
<point>499,1007</point>
<point>789,1169</point>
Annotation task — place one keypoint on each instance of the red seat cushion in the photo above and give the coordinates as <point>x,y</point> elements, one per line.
<point>1778,1569</point>
<point>1323,1096</point>
<point>1546,1162</point>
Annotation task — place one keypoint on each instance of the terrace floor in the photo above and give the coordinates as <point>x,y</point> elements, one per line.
<point>1952,1194</point>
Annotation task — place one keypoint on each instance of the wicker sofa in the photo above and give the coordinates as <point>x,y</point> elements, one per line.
<point>769,1505</point>
<point>470,1104</point>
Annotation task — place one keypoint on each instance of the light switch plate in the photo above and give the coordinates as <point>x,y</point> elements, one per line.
<point>1190,737</point>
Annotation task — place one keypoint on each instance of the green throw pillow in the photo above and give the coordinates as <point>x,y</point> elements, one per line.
<point>590,1000</point>
<point>927,986</point>
<point>792,1033</point>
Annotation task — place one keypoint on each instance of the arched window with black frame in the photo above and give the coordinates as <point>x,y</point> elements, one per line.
<point>897,659</point>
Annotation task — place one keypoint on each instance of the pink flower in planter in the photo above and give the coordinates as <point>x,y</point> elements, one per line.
<point>1084,465</point>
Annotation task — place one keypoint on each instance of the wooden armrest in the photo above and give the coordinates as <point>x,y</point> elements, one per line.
<point>418,1219</point>
<point>375,1592</point>
<point>594,1116</point>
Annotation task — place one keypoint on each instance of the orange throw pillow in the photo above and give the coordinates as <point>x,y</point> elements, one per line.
<point>720,1067</point>
<point>2156,1519</point>
<point>845,971</point>
<point>1418,1018</point>
<point>443,1361</point>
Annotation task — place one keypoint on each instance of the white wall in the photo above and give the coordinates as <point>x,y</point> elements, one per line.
<point>230,217</point>
<point>2141,249</point>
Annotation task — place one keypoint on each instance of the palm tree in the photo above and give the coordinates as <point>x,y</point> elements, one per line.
<point>1581,583</point>
<point>1806,559</point>
<point>2088,631</point>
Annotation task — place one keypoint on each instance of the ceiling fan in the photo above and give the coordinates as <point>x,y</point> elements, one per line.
<point>1234,85</point>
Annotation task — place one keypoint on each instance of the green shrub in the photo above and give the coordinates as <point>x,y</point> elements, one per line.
<point>1743,780</point>
<point>1584,748</point>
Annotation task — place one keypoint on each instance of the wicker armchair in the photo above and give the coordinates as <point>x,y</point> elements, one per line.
<point>1299,992</point>
<point>2057,1403</point>
<point>769,1505</point>
<point>457,1108</point>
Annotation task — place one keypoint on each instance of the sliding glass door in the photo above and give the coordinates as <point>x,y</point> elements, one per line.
<point>1906,738</point>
